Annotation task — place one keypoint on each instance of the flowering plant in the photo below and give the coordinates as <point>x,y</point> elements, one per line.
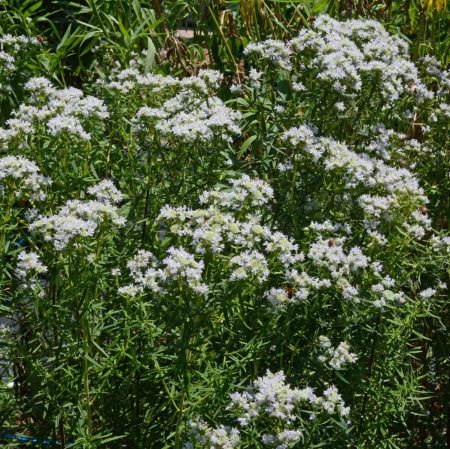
<point>193,263</point>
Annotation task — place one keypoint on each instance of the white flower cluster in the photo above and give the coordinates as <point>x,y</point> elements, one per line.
<point>28,269</point>
<point>249,249</point>
<point>190,119</point>
<point>335,358</point>
<point>302,286</point>
<point>399,186</point>
<point>377,237</point>
<point>29,265</point>
<point>332,402</point>
<point>66,124</point>
<point>244,191</point>
<point>213,228</point>
<point>255,77</point>
<point>62,111</point>
<point>179,110</point>
<point>254,251</point>
<point>22,177</point>
<point>441,243</point>
<point>10,47</point>
<point>272,400</point>
<point>378,207</point>
<point>287,251</point>
<point>349,270</point>
<point>17,42</point>
<point>149,84</point>
<point>271,397</point>
<point>6,63</point>
<point>77,219</point>
<point>304,135</point>
<point>148,274</point>
<point>272,403</point>
<point>427,293</point>
<point>279,297</point>
<point>181,264</point>
<point>283,439</point>
<point>434,68</point>
<point>329,253</point>
<point>6,331</point>
<point>272,51</point>
<point>441,112</point>
<point>385,143</point>
<point>327,226</point>
<point>205,437</point>
<point>212,78</point>
<point>421,224</point>
<point>106,191</point>
<point>249,264</point>
<point>383,293</point>
<point>349,55</point>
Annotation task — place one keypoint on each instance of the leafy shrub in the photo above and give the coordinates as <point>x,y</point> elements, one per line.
<point>191,264</point>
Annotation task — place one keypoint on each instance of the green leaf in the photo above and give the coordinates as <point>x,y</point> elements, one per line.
<point>245,145</point>
<point>151,53</point>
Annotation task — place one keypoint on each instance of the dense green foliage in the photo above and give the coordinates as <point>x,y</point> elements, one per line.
<point>237,238</point>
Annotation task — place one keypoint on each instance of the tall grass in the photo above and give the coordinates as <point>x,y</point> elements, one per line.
<point>222,28</point>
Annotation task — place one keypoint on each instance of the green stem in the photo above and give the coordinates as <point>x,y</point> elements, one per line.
<point>5,221</point>
<point>86,350</point>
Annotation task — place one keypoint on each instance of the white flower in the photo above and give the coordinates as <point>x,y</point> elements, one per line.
<point>38,86</point>
<point>150,274</point>
<point>130,290</point>
<point>297,86</point>
<point>249,264</point>
<point>220,437</point>
<point>270,398</point>
<point>76,219</point>
<point>191,119</point>
<point>67,124</point>
<point>278,297</point>
<point>348,55</point>
<point>106,192</point>
<point>272,51</point>
<point>255,77</point>
<point>428,293</point>
<point>330,254</point>
<point>245,190</point>
<point>337,357</point>
<point>236,88</point>
<point>181,264</point>
<point>63,111</point>
<point>378,237</point>
<point>332,402</point>
<point>213,78</point>
<point>23,176</point>
<point>29,265</point>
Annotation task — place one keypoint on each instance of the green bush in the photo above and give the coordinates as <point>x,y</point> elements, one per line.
<point>255,256</point>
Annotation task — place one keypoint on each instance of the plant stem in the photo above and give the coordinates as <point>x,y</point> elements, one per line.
<point>370,369</point>
<point>86,351</point>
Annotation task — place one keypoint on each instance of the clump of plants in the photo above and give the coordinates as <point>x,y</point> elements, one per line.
<point>190,263</point>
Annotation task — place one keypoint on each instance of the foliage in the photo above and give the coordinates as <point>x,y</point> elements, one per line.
<point>254,256</point>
